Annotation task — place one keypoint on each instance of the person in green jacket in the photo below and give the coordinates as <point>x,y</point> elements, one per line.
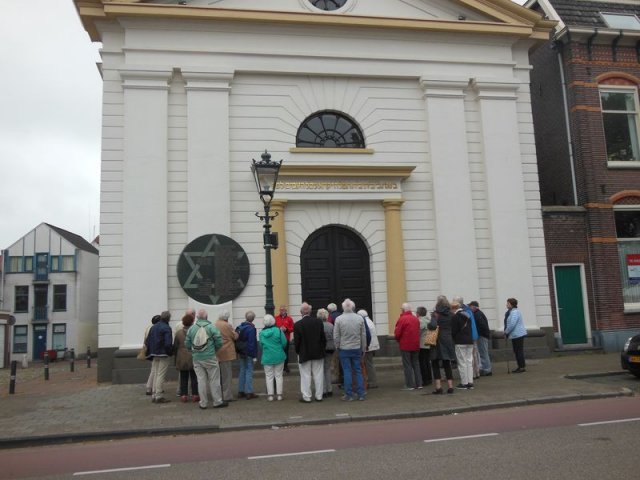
<point>205,362</point>
<point>273,341</point>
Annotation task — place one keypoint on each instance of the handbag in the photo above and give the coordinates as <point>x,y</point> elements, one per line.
<point>142,354</point>
<point>432,337</point>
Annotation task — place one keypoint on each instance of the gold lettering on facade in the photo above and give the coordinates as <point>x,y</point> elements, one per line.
<point>328,185</point>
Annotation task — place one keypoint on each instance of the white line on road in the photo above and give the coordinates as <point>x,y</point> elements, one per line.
<point>460,438</point>
<point>609,421</point>
<point>147,467</point>
<point>290,454</point>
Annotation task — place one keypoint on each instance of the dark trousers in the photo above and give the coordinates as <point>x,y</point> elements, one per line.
<point>425,365</point>
<point>185,375</point>
<point>411,367</point>
<point>286,358</point>
<point>518,349</point>
<point>446,364</point>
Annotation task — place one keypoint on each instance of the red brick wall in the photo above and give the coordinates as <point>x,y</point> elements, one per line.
<point>588,237</point>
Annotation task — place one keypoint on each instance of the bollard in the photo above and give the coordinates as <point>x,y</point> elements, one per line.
<point>46,365</point>
<point>88,357</point>
<point>12,379</point>
<point>72,360</point>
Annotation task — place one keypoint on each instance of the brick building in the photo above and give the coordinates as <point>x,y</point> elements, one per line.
<point>584,90</point>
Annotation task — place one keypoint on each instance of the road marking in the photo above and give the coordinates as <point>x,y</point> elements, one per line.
<point>461,438</point>
<point>147,467</point>
<point>610,421</point>
<point>290,454</point>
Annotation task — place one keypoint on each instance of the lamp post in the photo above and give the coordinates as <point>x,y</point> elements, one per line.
<point>265,173</point>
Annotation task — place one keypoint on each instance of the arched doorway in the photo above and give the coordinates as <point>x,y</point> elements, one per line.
<point>335,265</point>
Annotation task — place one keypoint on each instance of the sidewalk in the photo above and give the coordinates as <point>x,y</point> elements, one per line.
<point>73,407</point>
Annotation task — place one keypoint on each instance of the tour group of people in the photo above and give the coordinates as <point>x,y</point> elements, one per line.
<point>332,346</point>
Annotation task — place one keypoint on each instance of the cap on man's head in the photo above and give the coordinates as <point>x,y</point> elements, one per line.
<point>474,303</point>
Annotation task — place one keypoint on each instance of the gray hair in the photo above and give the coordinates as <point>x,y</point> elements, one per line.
<point>250,316</point>
<point>202,314</point>
<point>363,313</point>
<point>322,314</point>
<point>348,305</point>
<point>269,321</point>
<point>457,299</point>
<point>224,315</point>
<point>442,304</point>
<point>406,307</point>
<point>332,307</point>
<point>165,316</point>
<point>305,308</point>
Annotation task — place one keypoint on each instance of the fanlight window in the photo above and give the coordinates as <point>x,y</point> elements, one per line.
<point>328,5</point>
<point>329,130</point>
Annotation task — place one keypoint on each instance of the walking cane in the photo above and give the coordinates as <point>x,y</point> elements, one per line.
<point>506,344</point>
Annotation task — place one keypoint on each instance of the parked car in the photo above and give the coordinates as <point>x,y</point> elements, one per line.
<point>630,356</point>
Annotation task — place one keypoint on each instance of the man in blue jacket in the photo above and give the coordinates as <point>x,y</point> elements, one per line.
<point>247,338</point>
<point>159,349</point>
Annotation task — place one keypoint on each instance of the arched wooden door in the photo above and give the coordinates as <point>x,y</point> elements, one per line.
<point>334,266</point>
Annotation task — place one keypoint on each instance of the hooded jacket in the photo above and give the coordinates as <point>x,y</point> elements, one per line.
<point>272,341</point>
<point>214,343</point>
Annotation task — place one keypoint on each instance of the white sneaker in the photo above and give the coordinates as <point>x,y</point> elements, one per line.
<point>270,398</point>
<point>279,397</point>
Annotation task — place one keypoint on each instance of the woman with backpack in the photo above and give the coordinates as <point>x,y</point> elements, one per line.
<point>273,341</point>
<point>184,361</point>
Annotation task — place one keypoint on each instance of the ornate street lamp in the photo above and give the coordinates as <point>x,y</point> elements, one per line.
<point>265,172</point>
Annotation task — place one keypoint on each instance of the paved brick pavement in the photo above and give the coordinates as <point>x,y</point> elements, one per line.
<point>72,406</point>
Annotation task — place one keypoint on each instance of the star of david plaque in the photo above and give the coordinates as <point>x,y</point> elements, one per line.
<point>213,269</point>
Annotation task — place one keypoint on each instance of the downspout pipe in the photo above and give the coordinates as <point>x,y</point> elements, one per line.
<point>590,43</point>
<point>567,123</point>
<point>614,46</point>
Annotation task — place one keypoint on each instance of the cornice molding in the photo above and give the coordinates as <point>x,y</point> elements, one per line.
<point>510,18</point>
<point>387,171</point>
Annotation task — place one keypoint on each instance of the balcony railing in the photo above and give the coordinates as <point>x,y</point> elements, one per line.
<point>40,314</point>
<point>41,275</point>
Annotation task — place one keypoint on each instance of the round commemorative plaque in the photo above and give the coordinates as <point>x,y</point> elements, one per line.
<point>213,269</point>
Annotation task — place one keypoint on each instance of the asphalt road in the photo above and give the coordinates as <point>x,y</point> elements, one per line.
<point>544,441</point>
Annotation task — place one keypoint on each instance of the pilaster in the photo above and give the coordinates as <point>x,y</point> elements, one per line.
<point>280,270</point>
<point>394,254</point>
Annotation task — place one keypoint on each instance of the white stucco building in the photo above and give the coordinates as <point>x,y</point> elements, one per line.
<point>50,285</point>
<point>434,190</point>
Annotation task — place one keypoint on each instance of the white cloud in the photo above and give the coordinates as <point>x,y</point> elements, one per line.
<point>50,101</point>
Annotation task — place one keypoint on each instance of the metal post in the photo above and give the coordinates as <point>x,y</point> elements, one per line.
<point>46,365</point>
<point>269,307</point>
<point>72,361</point>
<point>12,379</point>
<point>88,357</point>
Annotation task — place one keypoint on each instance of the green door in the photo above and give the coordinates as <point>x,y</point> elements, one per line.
<point>570,304</point>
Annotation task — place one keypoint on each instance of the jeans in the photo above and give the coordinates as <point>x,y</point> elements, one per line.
<point>350,361</point>
<point>245,378</point>
<point>411,366</point>
<point>483,350</point>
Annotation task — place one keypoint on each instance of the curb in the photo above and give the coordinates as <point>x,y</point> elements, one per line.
<point>33,441</point>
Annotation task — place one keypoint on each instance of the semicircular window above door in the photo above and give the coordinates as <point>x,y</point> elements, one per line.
<point>329,129</point>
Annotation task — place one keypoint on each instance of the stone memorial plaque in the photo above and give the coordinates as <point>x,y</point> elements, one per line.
<point>213,269</point>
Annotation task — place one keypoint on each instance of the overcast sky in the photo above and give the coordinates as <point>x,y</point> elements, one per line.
<point>50,107</point>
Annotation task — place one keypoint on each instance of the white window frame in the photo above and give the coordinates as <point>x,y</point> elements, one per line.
<point>606,16</point>
<point>629,307</point>
<point>621,89</point>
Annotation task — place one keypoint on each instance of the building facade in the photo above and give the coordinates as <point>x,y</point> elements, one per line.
<point>50,287</point>
<point>585,108</point>
<point>405,130</point>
